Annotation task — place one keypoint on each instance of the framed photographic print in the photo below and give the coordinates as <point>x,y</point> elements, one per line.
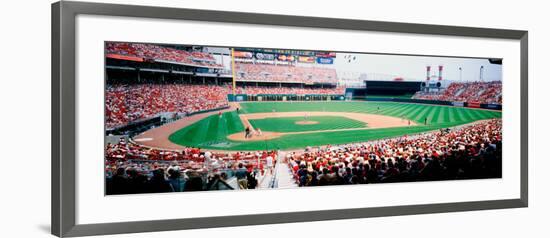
<point>237,119</point>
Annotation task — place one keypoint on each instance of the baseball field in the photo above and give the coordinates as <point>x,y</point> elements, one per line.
<point>295,125</point>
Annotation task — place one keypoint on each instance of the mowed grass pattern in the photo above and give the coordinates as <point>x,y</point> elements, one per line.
<point>288,124</point>
<point>212,131</point>
<point>416,112</point>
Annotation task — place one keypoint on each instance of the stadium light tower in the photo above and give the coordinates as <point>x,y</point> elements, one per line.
<point>460,73</point>
<point>481,73</point>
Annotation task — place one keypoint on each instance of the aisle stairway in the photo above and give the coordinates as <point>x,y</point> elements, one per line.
<point>281,177</point>
<point>284,175</point>
<point>265,181</point>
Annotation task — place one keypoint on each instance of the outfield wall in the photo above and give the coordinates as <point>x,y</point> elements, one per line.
<point>284,97</point>
<point>437,102</point>
<point>340,97</point>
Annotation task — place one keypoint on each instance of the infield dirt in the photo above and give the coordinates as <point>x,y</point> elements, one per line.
<point>372,120</point>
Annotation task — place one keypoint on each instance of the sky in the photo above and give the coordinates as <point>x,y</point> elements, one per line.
<point>415,66</point>
<point>408,67</point>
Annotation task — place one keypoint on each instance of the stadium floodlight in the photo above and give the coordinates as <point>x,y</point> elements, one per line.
<point>481,73</point>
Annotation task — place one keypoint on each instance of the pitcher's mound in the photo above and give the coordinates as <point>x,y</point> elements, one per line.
<point>266,135</point>
<point>306,122</point>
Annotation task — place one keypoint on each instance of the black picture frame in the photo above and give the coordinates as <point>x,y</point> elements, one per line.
<point>64,106</point>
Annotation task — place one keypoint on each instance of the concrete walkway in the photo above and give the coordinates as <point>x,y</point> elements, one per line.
<point>284,175</point>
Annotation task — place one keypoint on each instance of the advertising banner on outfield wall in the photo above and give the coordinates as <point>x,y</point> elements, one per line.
<point>458,104</point>
<point>474,104</point>
<point>326,54</point>
<point>492,106</point>
<point>325,60</point>
<point>306,59</point>
<point>280,51</point>
<point>285,57</point>
<point>242,54</point>
<point>264,56</point>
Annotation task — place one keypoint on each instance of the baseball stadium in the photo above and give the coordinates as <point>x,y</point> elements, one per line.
<point>196,118</point>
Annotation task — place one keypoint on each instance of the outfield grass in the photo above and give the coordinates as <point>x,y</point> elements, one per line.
<point>212,131</point>
<point>288,124</point>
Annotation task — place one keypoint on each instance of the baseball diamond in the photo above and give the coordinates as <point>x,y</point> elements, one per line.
<point>307,123</point>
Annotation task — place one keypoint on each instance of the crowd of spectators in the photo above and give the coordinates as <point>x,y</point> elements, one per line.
<point>157,52</point>
<point>133,168</point>
<point>480,92</point>
<point>284,73</point>
<point>125,151</point>
<point>468,152</point>
<point>127,103</point>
